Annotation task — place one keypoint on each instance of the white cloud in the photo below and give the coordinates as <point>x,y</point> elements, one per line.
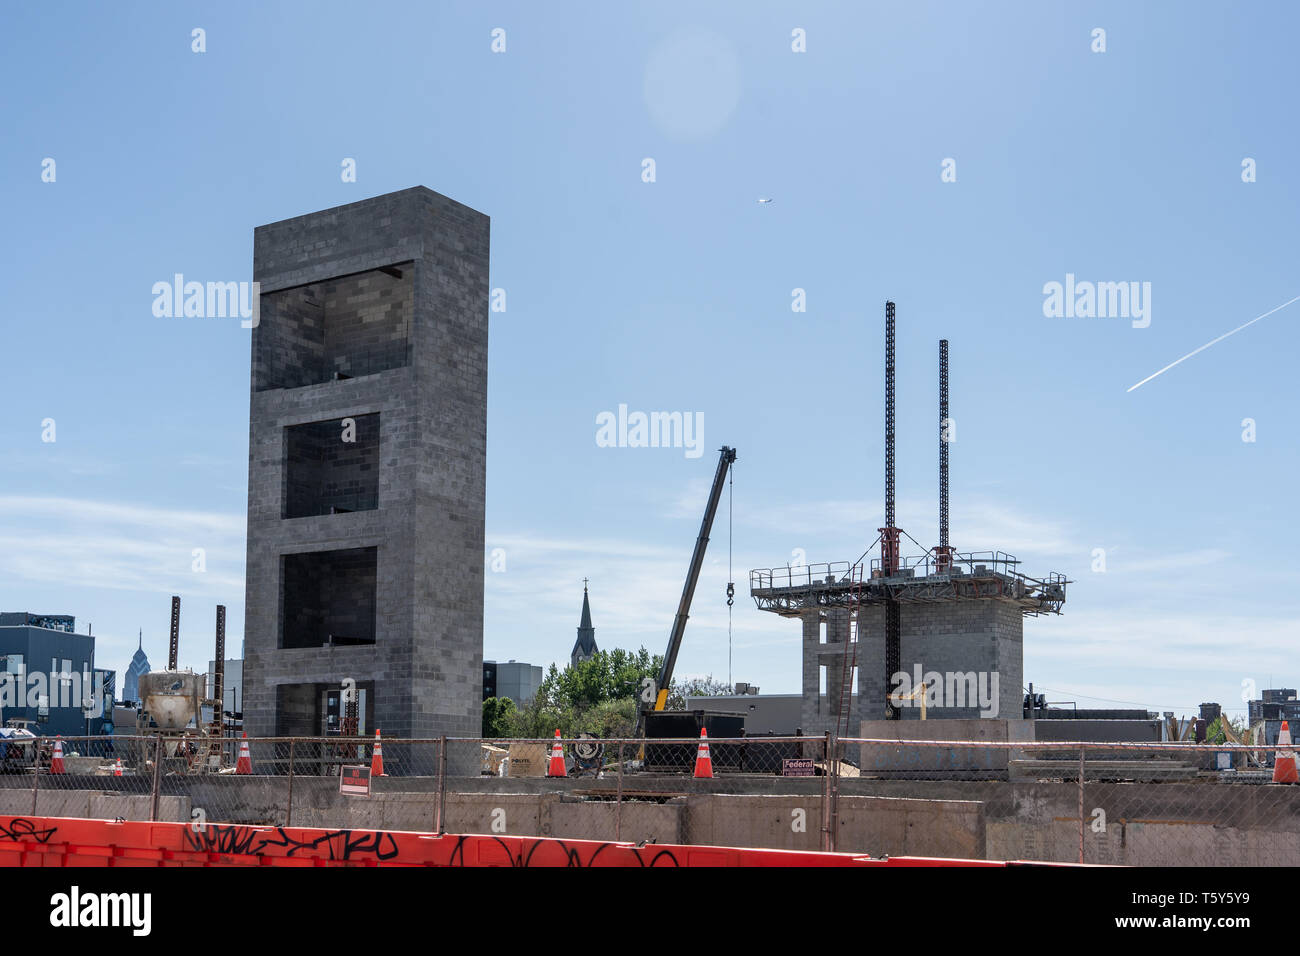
<point>1165,661</point>
<point>980,525</point>
<point>1126,649</point>
<point>1168,562</point>
<point>78,543</point>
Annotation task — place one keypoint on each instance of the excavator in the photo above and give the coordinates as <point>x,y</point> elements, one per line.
<point>654,693</point>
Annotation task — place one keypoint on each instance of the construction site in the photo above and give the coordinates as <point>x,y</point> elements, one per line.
<point>917,741</point>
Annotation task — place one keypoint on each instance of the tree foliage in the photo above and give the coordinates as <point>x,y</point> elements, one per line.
<point>498,716</point>
<point>599,696</point>
<point>1214,733</point>
<point>696,687</point>
<point>596,696</point>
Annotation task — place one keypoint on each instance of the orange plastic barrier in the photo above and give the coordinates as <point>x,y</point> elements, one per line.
<point>69,841</point>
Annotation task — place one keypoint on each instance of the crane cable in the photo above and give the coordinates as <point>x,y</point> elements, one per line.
<point>731,584</point>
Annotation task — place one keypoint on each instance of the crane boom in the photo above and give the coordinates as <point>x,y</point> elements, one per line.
<point>725,460</point>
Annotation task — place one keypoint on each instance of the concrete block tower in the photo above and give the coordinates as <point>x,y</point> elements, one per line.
<point>945,625</point>
<point>367,468</point>
<point>974,645</point>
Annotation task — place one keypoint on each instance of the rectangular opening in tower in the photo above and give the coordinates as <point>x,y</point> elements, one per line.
<point>331,467</point>
<point>340,328</point>
<point>328,598</point>
<point>318,710</point>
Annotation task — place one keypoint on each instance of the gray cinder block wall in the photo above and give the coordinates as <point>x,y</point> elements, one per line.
<point>378,307</point>
<point>962,637</point>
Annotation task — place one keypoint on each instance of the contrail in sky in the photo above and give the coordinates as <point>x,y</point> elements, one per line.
<point>1215,341</point>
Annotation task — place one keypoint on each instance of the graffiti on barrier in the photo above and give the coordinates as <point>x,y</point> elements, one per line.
<point>552,852</point>
<point>238,840</point>
<point>20,828</point>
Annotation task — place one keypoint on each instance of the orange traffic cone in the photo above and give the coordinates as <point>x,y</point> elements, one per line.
<point>377,759</point>
<point>703,762</point>
<point>1284,760</point>
<point>245,762</point>
<point>556,768</point>
<point>56,762</point>
<point>117,768</point>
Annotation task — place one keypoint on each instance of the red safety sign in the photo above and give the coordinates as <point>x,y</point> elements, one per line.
<point>355,781</point>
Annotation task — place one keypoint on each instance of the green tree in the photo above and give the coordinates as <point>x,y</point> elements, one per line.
<point>597,696</point>
<point>695,687</point>
<point>538,719</point>
<point>610,718</point>
<point>1214,733</point>
<point>498,716</point>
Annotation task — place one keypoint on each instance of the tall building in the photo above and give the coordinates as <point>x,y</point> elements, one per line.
<point>513,679</point>
<point>48,674</point>
<point>584,648</point>
<point>367,467</point>
<point>138,667</point>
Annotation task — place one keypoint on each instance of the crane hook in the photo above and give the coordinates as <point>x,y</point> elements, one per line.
<point>731,593</point>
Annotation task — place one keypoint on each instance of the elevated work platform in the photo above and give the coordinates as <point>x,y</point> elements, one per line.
<point>975,575</point>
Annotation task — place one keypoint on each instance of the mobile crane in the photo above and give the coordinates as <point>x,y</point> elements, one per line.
<point>654,694</point>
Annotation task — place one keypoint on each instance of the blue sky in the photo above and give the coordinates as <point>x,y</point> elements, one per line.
<point>676,296</point>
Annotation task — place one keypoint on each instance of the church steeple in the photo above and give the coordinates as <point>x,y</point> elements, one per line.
<point>585,646</point>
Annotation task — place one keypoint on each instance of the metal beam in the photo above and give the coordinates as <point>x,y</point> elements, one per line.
<point>943,443</point>
<point>219,676</point>
<point>174,647</point>
<point>889,415</point>
<point>943,551</point>
<point>889,533</point>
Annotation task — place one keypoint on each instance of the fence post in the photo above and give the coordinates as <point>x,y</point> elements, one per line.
<point>36,773</point>
<point>157,776</point>
<point>836,752</point>
<point>618,802</point>
<point>440,805</point>
<point>826,792</point>
<point>1080,803</point>
<point>288,810</point>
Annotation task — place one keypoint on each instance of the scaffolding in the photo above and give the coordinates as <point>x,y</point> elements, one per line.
<point>980,575</point>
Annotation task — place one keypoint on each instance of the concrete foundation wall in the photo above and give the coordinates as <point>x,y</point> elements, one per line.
<point>882,759</point>
<point>880,826</point>
<point>1188,824</point>
<point>94,805</point>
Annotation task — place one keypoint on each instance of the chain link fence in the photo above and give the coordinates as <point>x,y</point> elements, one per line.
<point>1134,804</point>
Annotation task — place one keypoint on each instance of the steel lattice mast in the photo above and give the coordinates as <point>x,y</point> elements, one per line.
<point>943,553</point>
<point>174,645</point>
<point>889,533</point>
<point>219,677</point>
